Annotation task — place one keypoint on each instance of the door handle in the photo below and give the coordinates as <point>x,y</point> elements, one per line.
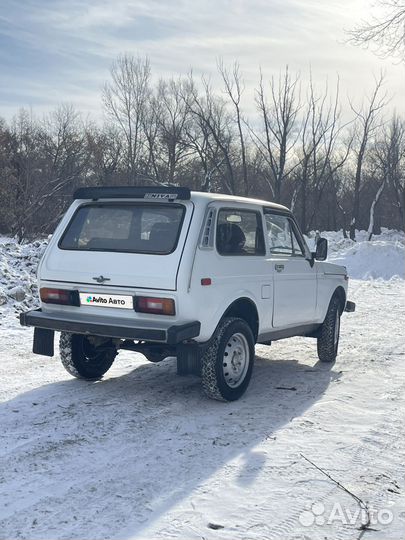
<point>279,267</point>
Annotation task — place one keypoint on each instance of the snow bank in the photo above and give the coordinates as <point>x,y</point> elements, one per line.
<point>373,260</point>
<point>381,258</point>
<point>18,266</point>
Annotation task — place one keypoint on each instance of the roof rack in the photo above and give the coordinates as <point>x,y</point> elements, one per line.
<point>133,192</point>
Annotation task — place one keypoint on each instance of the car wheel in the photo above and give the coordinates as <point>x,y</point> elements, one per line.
<point>228,362</point>
<point>84,360</point>
<point>328,339</point>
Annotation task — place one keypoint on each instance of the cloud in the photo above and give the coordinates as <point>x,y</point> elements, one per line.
<point>53,50</point>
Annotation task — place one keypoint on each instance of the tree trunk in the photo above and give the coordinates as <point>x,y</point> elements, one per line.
<point>372,210</point>
<point>344,222</point>
<point>356,204</point>
<point>304,205</point>
<point>294,199</point>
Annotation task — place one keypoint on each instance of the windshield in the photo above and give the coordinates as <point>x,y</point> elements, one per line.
<point>125,227</point>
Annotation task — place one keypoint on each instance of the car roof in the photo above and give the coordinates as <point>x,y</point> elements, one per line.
<point>169,193</point>
<point>222,197</point>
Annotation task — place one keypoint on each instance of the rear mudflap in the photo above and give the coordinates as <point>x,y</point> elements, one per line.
<point>43,342</point>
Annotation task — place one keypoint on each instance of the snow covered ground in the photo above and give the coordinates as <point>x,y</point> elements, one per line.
<point>143,454</point>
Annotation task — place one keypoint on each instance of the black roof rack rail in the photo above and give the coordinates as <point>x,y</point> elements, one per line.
<point>133,192</point>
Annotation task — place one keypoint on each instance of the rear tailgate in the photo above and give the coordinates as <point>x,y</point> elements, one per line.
<point>130,244</point>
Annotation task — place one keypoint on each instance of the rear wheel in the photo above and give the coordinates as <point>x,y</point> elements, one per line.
<point>84,357</point>
<point>228,362</point>
<point>328,340</point>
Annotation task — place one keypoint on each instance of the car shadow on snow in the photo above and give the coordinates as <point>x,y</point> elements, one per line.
<point>106,459</point>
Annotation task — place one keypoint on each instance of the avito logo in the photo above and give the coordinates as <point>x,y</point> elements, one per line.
<point>97,300</point>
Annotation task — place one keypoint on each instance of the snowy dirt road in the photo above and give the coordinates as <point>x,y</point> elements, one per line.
<point>143,454</point>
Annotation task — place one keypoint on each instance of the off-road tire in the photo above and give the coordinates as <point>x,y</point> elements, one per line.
<point>328,343</point>
<point>78,364</point>
<point>213,379</point>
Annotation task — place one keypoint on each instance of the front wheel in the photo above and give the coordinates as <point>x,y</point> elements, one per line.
<point>84,358</point>
<point>328,340</point>
<point>228,362</point>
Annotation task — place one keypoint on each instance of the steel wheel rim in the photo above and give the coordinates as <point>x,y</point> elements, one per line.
<point>235,362</point>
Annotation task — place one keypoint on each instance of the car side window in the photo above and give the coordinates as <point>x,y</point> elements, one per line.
<point>281,236</point>
<point>239,232</point>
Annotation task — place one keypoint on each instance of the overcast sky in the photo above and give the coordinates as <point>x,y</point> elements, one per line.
<point>53,51</point>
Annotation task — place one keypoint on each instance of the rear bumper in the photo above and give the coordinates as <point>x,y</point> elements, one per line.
<point>161,332</point>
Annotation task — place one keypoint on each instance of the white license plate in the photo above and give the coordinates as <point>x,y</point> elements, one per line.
<point>106,300</point>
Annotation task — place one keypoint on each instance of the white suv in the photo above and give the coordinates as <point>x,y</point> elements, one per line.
<point>169,272</point>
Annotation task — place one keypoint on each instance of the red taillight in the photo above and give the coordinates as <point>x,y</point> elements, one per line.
<point>206,281</point>
<point>59,296</point>
<point>159,306</point>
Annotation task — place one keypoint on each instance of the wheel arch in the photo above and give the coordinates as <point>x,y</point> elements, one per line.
<point>245,309</point>
<point>340,293</point>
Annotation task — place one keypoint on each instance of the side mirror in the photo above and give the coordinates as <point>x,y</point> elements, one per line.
<point>321,249</point>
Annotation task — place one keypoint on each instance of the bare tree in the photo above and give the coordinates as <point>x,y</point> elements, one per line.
<point>367,122</point>
<point>395,150</point>
<point>280,132</point>
<point>62,146</point>
<point>7,175</point>
<point>46,157</point>
<point>321,154</point>
<point>234,88</point>
<point>205,150</point>
<point>24,160</point>
<point>166,129</point>
<point>104,152</point>
<point>385,32</point>
<point>212,114</point>
<point>388,158</point>
<point>124,100</point>
<point>186,133</point>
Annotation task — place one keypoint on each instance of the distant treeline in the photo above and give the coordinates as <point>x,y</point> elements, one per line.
<point>295,150</point>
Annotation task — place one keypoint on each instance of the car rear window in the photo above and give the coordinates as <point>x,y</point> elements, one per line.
<point>134,228</point>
